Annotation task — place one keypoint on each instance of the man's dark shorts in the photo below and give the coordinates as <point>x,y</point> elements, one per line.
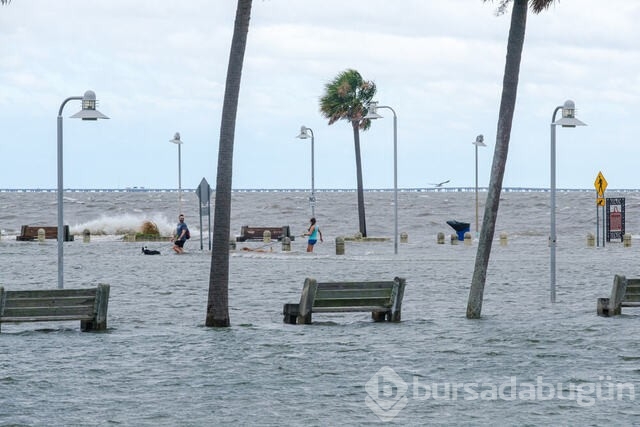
<point>179,243</point>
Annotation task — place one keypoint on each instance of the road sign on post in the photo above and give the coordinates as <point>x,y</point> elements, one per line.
<point>204,196</point>
<point>600,184</point>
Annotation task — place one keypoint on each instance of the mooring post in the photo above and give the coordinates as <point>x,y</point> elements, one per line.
<point>286,244</point>
<point>86,236</point>
<point>41,235</point>
<point>339,245</point>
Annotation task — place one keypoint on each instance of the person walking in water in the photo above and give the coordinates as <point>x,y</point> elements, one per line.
<point>313,232</point>
<point>182,234</point>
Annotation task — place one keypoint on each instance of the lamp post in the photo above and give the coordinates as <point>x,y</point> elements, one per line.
<point>88,112</point>
<point>176,140</point>
<point>312,197</point>
<point>372,113</point>
<point>568,120</point>
<point>479,142</point>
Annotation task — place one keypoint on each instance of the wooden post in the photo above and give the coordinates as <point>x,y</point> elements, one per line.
<point>306,300</point>
<point>617,293</point>
<point>100,310</point>
<point>397,295</point>
<point>291,312</point>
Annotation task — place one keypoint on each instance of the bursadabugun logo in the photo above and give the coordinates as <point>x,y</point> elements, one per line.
<point>386,394</point>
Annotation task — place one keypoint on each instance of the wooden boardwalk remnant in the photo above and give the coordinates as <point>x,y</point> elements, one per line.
<point>382,298</point>
<point>89,306</point>
<point>30,232</point>
<point>624,293</point>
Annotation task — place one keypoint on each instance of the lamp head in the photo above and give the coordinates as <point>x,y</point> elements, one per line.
<point>304,134</point>
<point>89,111</point>
<point>568,119</point>
<point>372,111</point>
<point>176,138</point>
<point>479,142</point>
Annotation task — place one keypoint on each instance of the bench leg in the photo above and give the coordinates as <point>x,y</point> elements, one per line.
<point>291,312</point>
<point>379,316</point>
<point>603,307</point>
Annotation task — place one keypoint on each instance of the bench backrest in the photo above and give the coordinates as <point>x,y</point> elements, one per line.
<point>354,294</point>
<point>257,233</point>
<point>87,305</point>
<point>632,291</point>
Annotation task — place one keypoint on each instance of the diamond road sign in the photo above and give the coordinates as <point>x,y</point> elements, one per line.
<point>600,184</point>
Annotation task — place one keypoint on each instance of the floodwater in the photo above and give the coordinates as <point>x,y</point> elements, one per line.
<point>525,362</point>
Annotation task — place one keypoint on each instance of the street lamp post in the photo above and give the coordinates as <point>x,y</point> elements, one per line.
<point>88,112</point>
<point>568,120</point>
<point>312,197</point>
<point>479,142</point>
<point>176,140</point>
<point>372,113</point>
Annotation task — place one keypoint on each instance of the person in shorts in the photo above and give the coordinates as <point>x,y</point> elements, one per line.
<point>313,232</point>
<point>182,234</point>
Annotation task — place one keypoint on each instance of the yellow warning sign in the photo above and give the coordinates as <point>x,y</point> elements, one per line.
<point>600,201</point>
<point>601,185</point>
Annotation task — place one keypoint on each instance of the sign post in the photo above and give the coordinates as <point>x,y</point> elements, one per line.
<point>204,196</point>
<point>600,185</point>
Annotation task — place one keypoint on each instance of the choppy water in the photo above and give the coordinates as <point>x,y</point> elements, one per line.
<point>157,365</point>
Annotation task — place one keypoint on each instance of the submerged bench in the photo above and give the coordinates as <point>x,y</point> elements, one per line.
<point>382,299</point>
<point>89,306</point>
<point>257,233</point>
<point>28,233</point>
<point>624,293</point>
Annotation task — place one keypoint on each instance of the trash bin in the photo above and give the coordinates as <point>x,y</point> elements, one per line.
<point>460,227</point>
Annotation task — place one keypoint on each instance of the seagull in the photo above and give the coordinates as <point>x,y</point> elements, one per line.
<point>440,184</point>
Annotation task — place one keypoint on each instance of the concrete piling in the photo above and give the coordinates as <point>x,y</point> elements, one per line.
<point>339,245</point>
<point>467,239</point>
<point>41,235</point>
<point>86,235</point>
<point>503,239</point>
<point>591,240</point>
<point>404,237</point>
<point>266,236</point>
<point>286,244</point>
<point>626,240</point>
<point>454,239</point>
<point>440,238</point>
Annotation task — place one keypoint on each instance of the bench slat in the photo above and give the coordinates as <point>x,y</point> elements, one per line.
<point>372,308</point>
<point>49,293</point>
<point>352,302</point>
<point>44,319</point>
<point>80,310</point>
<point>355,285</point>
<point>50,302</point>
<point>353,293</point>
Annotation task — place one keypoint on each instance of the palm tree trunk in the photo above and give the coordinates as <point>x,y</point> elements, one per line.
<point>218,298</point>
<point>503,134</point>
<point>356,143</point>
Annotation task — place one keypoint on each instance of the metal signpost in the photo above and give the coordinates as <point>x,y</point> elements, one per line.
<point>204,196</point>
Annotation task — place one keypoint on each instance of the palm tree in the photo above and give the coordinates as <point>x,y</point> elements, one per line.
<point>503,134</point>
<point>5,1</point>
<point>218,300</point>
<point>345,98</point>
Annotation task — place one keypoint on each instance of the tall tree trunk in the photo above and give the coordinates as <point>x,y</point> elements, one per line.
<point>218,299</point>
<point>503,134</point>
<point>356,143</point>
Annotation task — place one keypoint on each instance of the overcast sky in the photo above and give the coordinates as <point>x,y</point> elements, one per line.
<point>159,66</point>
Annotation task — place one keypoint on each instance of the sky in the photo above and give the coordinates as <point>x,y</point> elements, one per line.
<point>159,67</point>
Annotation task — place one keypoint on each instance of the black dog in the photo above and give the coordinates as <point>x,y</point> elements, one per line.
<point>149,251</point>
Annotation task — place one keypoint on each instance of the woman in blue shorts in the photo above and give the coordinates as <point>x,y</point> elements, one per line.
<point>313,232</point>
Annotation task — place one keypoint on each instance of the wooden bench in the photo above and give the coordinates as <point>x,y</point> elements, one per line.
<point>382,299</point>
<point>624,293</point>
<point>29,233</point>
<point>257,233</point>
<point>89,306</point>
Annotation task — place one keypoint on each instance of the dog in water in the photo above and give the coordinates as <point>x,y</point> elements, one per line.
<point>148,251</point>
